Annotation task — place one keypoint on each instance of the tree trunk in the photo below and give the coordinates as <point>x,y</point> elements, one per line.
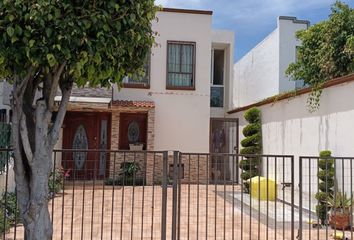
<point>34,137</point>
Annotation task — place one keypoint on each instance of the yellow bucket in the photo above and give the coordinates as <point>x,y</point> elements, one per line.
<point>259,187</point>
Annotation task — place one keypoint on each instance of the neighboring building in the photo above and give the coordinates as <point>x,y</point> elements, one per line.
<point>261,72</point>
<point>5,109</point>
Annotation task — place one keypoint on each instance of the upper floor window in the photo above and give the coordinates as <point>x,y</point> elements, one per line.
<point>180,65</point>
<point>3,115</point>
<point>217,78</point>
<point>138,80</point>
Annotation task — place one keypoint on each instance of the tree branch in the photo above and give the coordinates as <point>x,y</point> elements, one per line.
<point>54,87</point>
<point>25,140</point>
<point>66,88</point>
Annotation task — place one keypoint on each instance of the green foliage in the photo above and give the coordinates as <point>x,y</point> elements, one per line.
<point>253,115</point>
<point>129,169</point>
<point>12,213</point>
<point>251,129</point>
<point>326,182</point>
<point>4,223</point>
<point>252,144</point>
<point>55,181</point>
<point>322,212</point>
<point>339,200</point>
<point>327,51</point>
<point>100,41</point>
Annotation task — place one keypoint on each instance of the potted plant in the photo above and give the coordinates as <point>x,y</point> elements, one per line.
<point>129,171</point>
<point>339,217</point>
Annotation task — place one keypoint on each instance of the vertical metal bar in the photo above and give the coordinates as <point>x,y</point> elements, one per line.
<point>259,203</point>
<point>83,207</point>
<point>292,199</point>
<point>343,190</point>
<point>283,198</point>
<point>179,203</point>
<point>6,190</point>
<point>242,189</point>
<point>53,196</point>
<point>93,193</point>
<point>174,196</point>
<point>226,156</point>
<point>310,198</point>
<point>143,197</point>
<point>72,206</point>
<point>153,199</point>
<point>164,196</point>
<point>267,176</point>
<point>351,196</point>
<point>189,194</point>
<point>113,188</point>
<point>206,197</point>
<point>326,185</point>
<point>233,197</point>
<point>275,202</point>
<point>62,203</point>
<point>133,199</point>
<point>122,204</point>
<point>215,196</point>
<point>250,190</point>
<point>103,195</point>
<point>198,196</point>
<point>300,199</point>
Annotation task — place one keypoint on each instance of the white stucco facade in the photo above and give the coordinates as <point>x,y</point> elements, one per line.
<point>261,72</point>
<point>182,116</point>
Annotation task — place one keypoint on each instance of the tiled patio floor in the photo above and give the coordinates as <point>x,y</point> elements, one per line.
<point>127,213</point>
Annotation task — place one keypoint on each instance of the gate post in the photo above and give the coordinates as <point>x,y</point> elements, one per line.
<point>300,199</point>
<point>292,199</point>
<point>164,196</point>
<point>175,195</point>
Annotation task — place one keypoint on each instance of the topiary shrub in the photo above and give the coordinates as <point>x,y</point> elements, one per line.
<point>251,145</point>
<point>325,176</point>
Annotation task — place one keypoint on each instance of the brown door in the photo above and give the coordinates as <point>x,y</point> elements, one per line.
<point>132,129</point>
<point>85,131</point>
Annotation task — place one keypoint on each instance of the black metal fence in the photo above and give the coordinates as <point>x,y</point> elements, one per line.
<point>172,195</point>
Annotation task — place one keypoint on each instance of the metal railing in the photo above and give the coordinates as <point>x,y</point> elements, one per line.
<point>97,194</point>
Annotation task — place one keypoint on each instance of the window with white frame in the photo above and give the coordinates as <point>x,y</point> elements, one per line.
<point>217,79</point>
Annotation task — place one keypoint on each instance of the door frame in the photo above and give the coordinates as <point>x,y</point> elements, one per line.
<point>236,120</point>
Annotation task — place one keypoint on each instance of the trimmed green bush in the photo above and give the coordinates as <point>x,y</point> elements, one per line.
<point>252,145</point>
<point>326,183</point>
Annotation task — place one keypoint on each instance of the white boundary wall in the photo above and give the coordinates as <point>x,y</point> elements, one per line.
<point>289,128</point>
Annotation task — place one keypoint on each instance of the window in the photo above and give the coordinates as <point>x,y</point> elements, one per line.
<point>180,65</point>
<point>138,81</point>
<point>217,79</point>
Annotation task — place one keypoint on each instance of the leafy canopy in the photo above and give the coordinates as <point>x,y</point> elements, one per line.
<point>327,51</point>
<point>99,41</point>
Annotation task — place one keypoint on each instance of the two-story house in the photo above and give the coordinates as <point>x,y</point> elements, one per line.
<point>179,104</point>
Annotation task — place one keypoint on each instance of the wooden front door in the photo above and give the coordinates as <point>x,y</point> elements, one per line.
<point>132,129</point>
<point>86,131</point>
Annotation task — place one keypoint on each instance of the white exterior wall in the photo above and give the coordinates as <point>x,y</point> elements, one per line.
<point>256,74</point>
<point>261,72</point>
<point>181,117</point>
<point>289,129</point>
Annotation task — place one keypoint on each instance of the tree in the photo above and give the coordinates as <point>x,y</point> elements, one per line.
<point>327,51</point>
<point>50,45</point>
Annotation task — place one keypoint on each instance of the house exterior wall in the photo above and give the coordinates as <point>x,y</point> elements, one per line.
<point>287,49</point>
<point>261,72</point>
<point>289,128</point>
<point>256,74</point>
<point>181,117</point>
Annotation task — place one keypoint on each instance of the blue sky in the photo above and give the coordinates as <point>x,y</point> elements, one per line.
<point>253,20</point>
